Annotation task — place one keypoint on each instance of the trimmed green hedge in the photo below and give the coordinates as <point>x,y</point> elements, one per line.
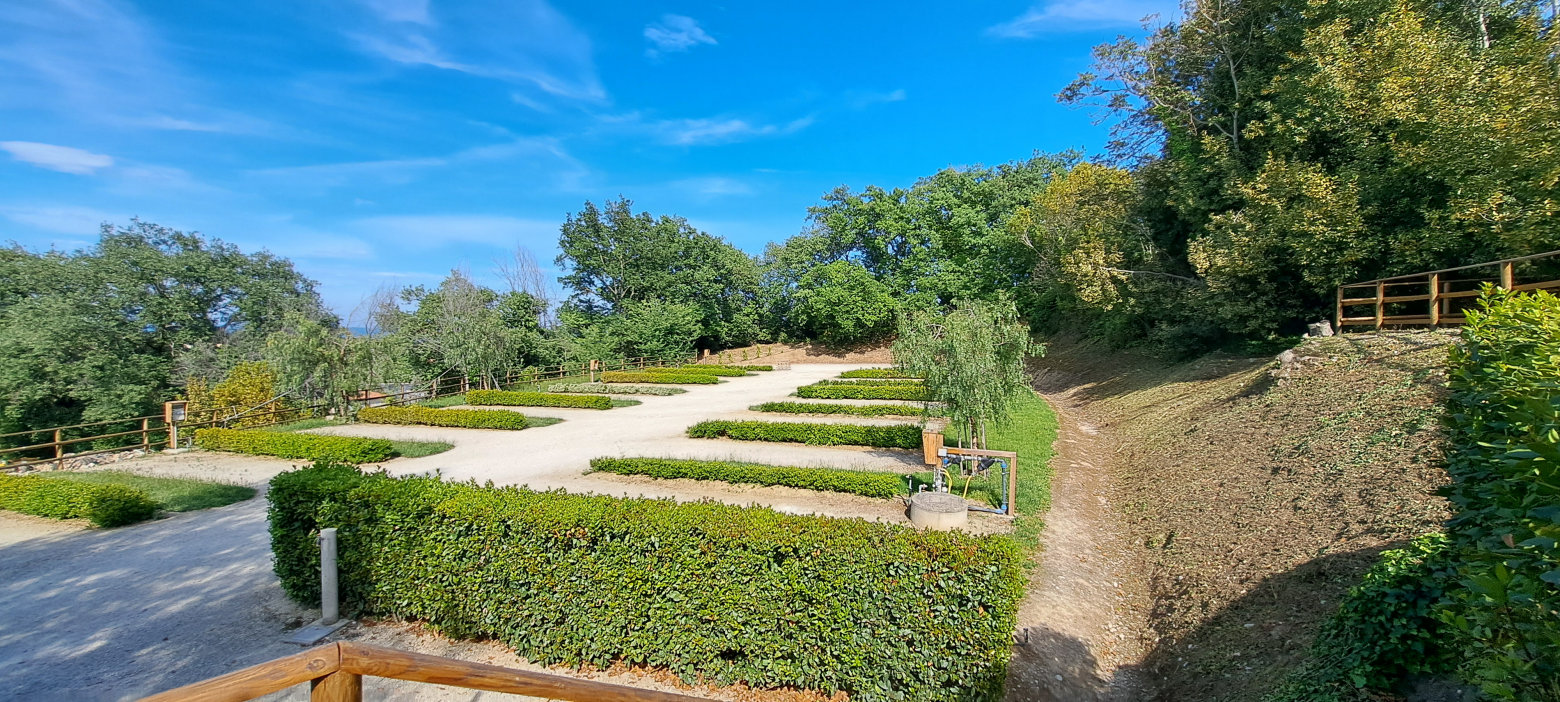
<point>704,590</point>
<point>855,482</point>
<point>700,370</point>
<point>862,392</point>
<point>509,398</point>
<point>105,505</point>
<point>874,381</point>
<point>427,416</point>
<point>830,408</point>
<point>669,378</point>
<point>616,389</point>
<point>906,436</point>
<point>313,447</point>
<point>876,373</point>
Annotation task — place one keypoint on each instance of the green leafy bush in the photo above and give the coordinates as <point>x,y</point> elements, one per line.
<point>105,505</point>
<point>862,392</point>
<point>855,482</point>
<point>906,436</point>
<point>313,447</point>
<point>1504,459</point>
<point>723,371</point>
<point>427,416</point>
<point>616,389</point>
<point>669,378</point>
<point>730,594</point>
<point>757,368</point>
<point>876,373</point>
<point>510,398</point>
<point>1385,631</point>
<point>913,382</point>
<point>829,408</point>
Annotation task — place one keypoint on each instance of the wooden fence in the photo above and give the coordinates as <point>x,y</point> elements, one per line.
<point>152,431</point>
<point>1437,298</point>
<point>335,673</point>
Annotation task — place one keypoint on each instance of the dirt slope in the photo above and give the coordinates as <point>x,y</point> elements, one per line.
<point>1253,502</point>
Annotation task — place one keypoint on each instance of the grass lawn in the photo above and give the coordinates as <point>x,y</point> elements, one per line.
<point>625,403</point>
<point>171,494</point>
<point>1030,432</point>
<point>404,449</point>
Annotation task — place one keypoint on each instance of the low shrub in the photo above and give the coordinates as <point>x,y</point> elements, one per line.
<point>313,447</point>
<point>874,381</point>
<point>876,373</point>
<point>855,482</point>
<point>616,389</point>
<point>668,378</point>
<point>718,365</point>
<point>1386,629</point>
<point>722,371</point>
<point>829,408</point>
<point>757,368</point>
<point>510,398</point>
<point>104,505</point>
<point>427,416</point>
<point>862,392</point>
<point>704,590</point>
<point>905,436</point>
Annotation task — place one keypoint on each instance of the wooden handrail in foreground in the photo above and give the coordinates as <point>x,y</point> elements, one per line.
<point>335,673</point>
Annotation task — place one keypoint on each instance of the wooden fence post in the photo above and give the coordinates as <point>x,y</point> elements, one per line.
<point>1435,299</point>
<point>339,686</point>
<point>146,434</point>
<point>59,452</point>
<point>1012,501</point>
<point>1508,274</point>
<point>1381,292</point>
<point>1339,320</point>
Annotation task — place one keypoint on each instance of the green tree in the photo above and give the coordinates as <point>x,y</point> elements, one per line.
<point>841,304</point>
<point>320,363</point>
<point>972,357</point>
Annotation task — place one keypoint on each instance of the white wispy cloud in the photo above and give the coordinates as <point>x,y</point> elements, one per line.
<point>64,159</point>
<point>79,223</point>
<point>524,42</point>
<point>1060,16</point>
<point>547,153</point>
<point>857,101</point>
<point>712,186</point>
<point>700,131</point>
<point>431,231</point>
<point>675,33</point>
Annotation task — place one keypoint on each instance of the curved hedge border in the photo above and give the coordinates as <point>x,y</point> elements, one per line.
<point>616,389</point>
<point>105,505</point>
<point>314,447</point>
<point>509,398</point>
<point>855,482</point>
<point>669,378</point>
<point>915,382</point>
<point>905,436</point>
<point>731,594</point>
<point>700,370</point>
<point>876,373</point>
<point>862,392</point>
<point>428,416</point>
<point>830,408</point>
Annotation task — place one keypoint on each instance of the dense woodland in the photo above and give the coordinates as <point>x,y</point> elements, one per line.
<point>1264,151</point>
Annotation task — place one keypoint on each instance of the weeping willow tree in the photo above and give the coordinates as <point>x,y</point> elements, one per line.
<point>972,358</point>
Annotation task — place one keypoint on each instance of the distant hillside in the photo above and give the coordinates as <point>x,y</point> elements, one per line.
<point>1254,501</point>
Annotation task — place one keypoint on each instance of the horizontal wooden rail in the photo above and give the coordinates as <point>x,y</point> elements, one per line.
<point>1443,304</point>
<point>335,672</point>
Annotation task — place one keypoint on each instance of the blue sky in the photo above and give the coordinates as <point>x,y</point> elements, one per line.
<point>383,142</point>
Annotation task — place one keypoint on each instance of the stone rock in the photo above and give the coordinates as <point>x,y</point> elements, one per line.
<point>1322,328</point>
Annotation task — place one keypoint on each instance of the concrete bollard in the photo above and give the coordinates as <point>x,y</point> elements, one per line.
<point>938,510</point>
<point>330,604</point>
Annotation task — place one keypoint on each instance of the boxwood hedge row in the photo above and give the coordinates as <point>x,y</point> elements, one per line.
<point>862,392</point>
<point>704,590</point>
<point>510,398</point>
<point>830,408</point>
<point>874,381</point>
<point>617,389</point>
<point>428,416</point>
<point>876,373</point>
<point>855,482</point>
<point>669,378</point>
<point>313,447</point>
<point>906,436</point>
<point>699,370</point>
<point>105,505</point>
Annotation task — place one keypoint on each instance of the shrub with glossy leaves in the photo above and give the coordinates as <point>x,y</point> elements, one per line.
<point>905,436</point>
<point>668,378</point>
<point>313,447</point>
<point>105,505</point>
<point>428,416</point>
<point>862,392</point>
<point>510,398</point>
<point>616,389</point>
<point>722,371</point>
<point>730,594</point>
<point>831,408</point>
<point>855,482</point>
<point>876,373</point>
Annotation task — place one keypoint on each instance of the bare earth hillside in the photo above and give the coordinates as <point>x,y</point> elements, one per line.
<point>1252,502</point>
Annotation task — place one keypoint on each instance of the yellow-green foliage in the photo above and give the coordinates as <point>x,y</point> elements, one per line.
<point>907,436</point>
<point>102,504</point>
<point>314,447</point>
<point>669,378</point>
<point>428,416</point>
<point>247,385</point>
<point>537,399</point>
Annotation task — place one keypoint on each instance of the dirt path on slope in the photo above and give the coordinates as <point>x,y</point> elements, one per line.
<point>1078,627</point>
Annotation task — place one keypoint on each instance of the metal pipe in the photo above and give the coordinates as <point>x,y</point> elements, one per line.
<point>330,609</point>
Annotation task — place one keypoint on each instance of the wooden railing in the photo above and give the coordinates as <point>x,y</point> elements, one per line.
<point>335,673</point>
<point>1436,298</point>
